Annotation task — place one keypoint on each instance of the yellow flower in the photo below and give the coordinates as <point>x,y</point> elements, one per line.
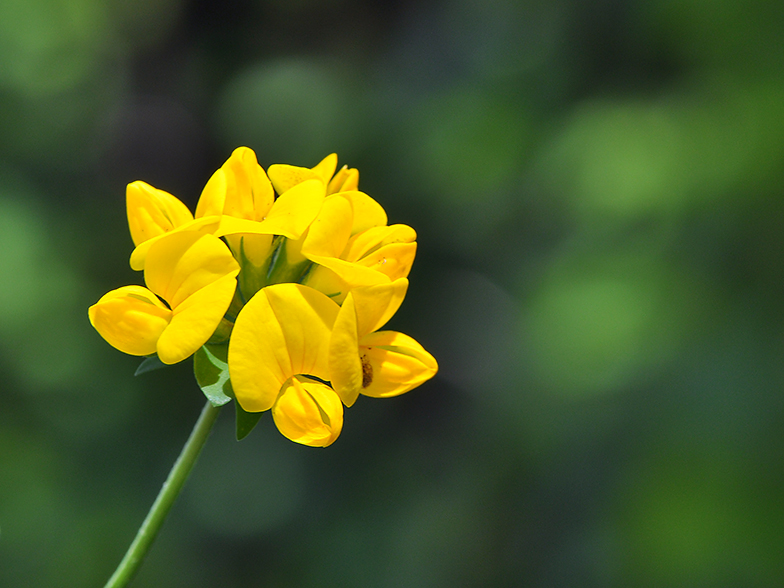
<point>242,195</point>
<point>152,214</point>
<point>284,176</point>
<point>278,359</point>
<point>344,213</point>
<point>345,180</point>
<point>353,247</point>
<point>195,274</point>
<point>375,363</point>
<point>238,188</point>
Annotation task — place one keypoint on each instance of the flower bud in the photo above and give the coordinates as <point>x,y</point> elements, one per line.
<point>308,412</point>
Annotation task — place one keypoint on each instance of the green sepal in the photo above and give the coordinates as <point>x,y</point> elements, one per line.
<point>253,278</point>
<point>282,271</point>
<point>211,368</point>
<point>149,364</point>
<point>246,421</point>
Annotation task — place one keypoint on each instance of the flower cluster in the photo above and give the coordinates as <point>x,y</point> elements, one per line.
<point>287,274</point>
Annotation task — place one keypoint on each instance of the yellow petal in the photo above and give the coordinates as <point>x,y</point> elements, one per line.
<point>363,311</point>
<point>393,260</point>
<point>329,233</point>
<point>327,282</point>
<point>195,319</point>
<point>345,366</point>
<point>367,212</point>
<point>284,177</point>
<point>375,305</point>
<point>325,168</point>
<point>289,216</point>
<point>131,319</point>
<point>353,274</point>
<point>183,262</point>
<point>375,256</point>
<point>207,224</point>
<point>283,331</point>
<point>308,412</point>
<point>240,188</point>
<point>296,208</point>
<point>393,363</point>
<point>213,196</point>
<point>374,238</point>
<point>153,212</point>
<point>345,180</point>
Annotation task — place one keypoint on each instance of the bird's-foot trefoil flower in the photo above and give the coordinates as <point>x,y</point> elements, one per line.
<point>254,222</point>
<point>363,360</point>
<point>349,244</point>
<point>279,359</point>
<point>285,176</point>
<point>375,256</point>
<point>191,279</point>
<point>153,214</point>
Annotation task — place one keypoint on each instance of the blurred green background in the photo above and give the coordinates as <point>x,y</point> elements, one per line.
<point>597,189</point>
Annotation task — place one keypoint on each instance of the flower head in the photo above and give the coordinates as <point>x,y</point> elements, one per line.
<point>285,277</point>
<point>153,214</point>
<point>195,274</point>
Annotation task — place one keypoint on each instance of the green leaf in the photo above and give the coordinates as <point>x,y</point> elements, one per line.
<point>211,368</point>
<point>246,421</point>
<point>149,364</point>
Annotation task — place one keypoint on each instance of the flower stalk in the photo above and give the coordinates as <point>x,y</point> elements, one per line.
<point>168,494</point>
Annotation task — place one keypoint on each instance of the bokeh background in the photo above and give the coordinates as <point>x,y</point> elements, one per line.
<point>597,189</point>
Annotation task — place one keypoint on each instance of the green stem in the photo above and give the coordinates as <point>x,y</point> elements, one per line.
<point>166,497</point>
